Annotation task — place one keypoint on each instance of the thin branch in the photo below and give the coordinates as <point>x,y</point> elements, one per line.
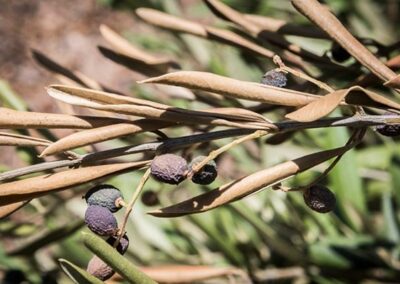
<point>182,142</point>
<point>212,155</point>
<point>131,203</point>
<point>283,67</point>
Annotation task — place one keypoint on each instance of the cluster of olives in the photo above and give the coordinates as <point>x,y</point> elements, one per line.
<point>173,169</point>
<point>104,200</point>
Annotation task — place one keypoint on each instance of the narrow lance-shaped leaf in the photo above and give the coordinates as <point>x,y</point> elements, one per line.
<point>326,104</point>
<point>11,139</point>
<point>120,104</point>
<point>278,25</point>
<point>96,135</point>
<point>234,88</point>
<point>77,274</point>
<point>23,119</point>
<point>190,273</point>
<point>92,98</point>
<point>75,76</point>
<point>7,210</point>
<point>173,23</point>
<point>227,13</point>
<point>242,187</point>
<point>323,18</point>
<point>132,63</point>
<point>29,188</point>
<point>125,47</point>
<point>120,264</point>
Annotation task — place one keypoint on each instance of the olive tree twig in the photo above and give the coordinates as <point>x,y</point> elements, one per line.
<point>131,203</point>
<point>172,144</point>
<point>213,154</point>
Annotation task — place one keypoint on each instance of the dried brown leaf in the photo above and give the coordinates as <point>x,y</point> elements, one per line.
<point>23,119</point>
<point>190,273</point>
<point>29,188</point>
<point>125,47</point>
<point>323,18</point>
<point>234,39</point>
<point>11,139</point>
<point>7,210</point>
<point>134,64</point>
<point>242,187</point>
<point>227,13</point>
<point>75,76</point>
<point>393,83</point>
<point>74,93</point>
<point>243,114</point>
<point>283,27</point>
<point>326,104</point>
<point>234,88</point>
<point>170,22</point>
<point>96,135</point>
<point>132,106</point>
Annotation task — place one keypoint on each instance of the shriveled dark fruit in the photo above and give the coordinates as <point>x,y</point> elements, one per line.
<point>101,221</point>
<point>319,198</point>
<point>123,244</point>
<point>169,168</point>
<point>390,130</point>
<point>206,174</point>
<point>105,195</point>
<point>339,53</point>
<point>150,198</point>
<point>99,269</point>
<point>274,78</point>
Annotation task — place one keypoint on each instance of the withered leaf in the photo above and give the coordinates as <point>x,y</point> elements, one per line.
<point>170,22</point>
<point>326,104</point>
<point>134,64</point>
<point>190,273</point>
<point>234,39</point>
<point>277,25</point>
<point>7,210</point>
<point>13,119</point>
<point>126,48</point>
<point>244,186</point>
<point>29,188</point>
<point>323,18</point>
<point>233,88</point>
<point>127,105</point>
<point>393,83</point>
<point>96,135</point>
<point>11,139</point>
<point>75,76</point>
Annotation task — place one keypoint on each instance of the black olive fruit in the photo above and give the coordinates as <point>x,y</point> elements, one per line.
<point>274,78</point>
<point>339,53</point>
<point>206,174</point>
<point>101,221</point>
<point>169,168</point>
<point>390,130</point>
<point>99,269</point>
<point>123,244</point>
<point>105,195</point>
<point>150,198</point>
<point>319,198</point>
